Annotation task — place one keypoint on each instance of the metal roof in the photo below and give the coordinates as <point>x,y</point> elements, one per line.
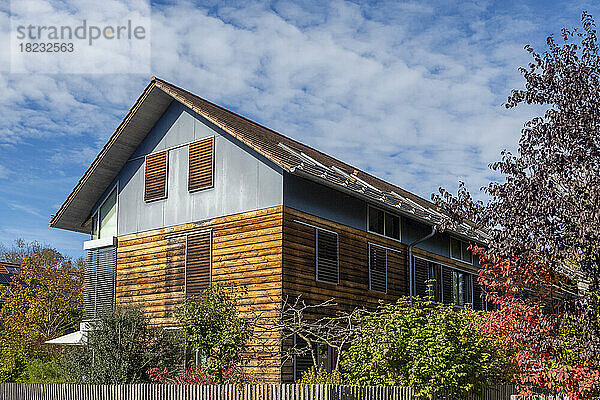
<point>292,156</point>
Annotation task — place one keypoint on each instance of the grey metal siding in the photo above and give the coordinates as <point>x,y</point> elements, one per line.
<point>244,180</point>
<point>305,195</point>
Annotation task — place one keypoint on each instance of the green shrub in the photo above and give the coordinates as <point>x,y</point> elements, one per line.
<point>121,348</point>
<point>434,348</point>
<point>44,371</point>
<point>320,376</point>
<point>214,329</point>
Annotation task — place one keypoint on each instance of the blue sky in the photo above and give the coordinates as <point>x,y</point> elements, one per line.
<point>409,91</point>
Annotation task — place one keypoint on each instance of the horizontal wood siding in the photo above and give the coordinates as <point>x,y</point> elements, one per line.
<point>299,273</point>
<point>246,251</point>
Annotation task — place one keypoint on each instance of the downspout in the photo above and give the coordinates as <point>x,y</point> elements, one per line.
<point>411,266</point>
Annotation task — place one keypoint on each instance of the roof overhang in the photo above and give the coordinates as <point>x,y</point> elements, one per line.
<point>292,156</point>
<point>146,111</point>
<point>72,339</point>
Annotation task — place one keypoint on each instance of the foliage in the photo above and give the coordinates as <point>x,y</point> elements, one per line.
<point>434,348</point>
<point>44,370</point>
<point>43,301</point>
<point>321,376</point>
<point>121,347</point>
<point>543,220</point>
<point>197,376</point>
<point>213,328</point>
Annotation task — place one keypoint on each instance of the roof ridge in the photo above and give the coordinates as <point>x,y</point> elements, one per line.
<point>403,192</point>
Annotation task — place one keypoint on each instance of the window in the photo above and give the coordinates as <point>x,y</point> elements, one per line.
<point>376,220</point>
<point>155,183</point>
<point>99,278</point>
<point>427,280</point>
<point>327,256</point>
<point>383,223</point>
<point>104,220</point>
<point>377,268</point>
<point>459,251</point>
<point>459,288</point>
<point>200,174</point>
<point>108,216</point>
<point>197,263</point>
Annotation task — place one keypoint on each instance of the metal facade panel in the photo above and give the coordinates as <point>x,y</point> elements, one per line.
<point>177,206</point>
<point>308,196</point>
<point>244,180</point>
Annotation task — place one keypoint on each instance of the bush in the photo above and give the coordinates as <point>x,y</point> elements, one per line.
<point>213,328</point>
<point>40,370</point>
<point>120,349</point>
<point>320,376</point>
<point>434,348</point>
<point>197,376</point>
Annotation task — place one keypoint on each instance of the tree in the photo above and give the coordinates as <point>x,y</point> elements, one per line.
<point>121,347</point>
<point>306,321</point>
<point>543,220</point>
<point>214,329</point>
<point>434,348</point>
<point>43,301</point>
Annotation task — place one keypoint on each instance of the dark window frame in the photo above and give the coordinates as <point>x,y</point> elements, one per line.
<point>463,245</point>
<point>384,223</point>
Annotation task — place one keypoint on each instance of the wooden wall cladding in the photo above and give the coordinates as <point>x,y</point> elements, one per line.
<point>155,177</point>
<point>353,288</point>
<point>246,252</point>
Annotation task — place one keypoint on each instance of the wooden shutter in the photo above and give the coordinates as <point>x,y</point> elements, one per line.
<point>377,268</point>
<point>327,256</point>
<point>197,263</point>
<point>200,175</point>
<point>155,185</point>
<point>447,285</point>
<point>421,271</point>
<point>99,278</point>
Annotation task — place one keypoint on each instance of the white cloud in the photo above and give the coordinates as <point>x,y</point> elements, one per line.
<point>411,93</point>
<point>3,172</point>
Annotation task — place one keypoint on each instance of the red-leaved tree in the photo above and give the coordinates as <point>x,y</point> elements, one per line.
<point>542,264</point>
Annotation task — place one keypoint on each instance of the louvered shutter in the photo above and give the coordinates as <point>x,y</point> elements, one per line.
<point>421,276</point>
<point>447,285</point>
<point>200,175</point>
<point>327,256</point>
<point>99,278</point>
<point>377,268</point>
<point>197,263</point>
<point>155,184</point>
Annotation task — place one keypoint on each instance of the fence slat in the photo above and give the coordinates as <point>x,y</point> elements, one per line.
<point>19,391</point>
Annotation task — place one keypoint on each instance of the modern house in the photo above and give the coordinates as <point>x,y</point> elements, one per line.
<point>186,193</point>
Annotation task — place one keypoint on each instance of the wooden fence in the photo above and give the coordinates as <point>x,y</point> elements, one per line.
<point>18,391</point>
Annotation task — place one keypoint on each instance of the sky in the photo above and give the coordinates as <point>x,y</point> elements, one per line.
<point>411,92</point>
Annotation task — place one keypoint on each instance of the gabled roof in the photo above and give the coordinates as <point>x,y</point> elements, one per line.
<point>292,156</point>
